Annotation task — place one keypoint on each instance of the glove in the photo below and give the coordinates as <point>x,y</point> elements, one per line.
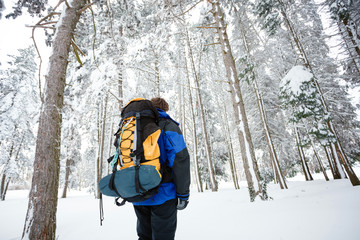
<point>182,204</point>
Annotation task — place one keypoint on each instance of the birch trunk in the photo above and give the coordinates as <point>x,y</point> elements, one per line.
<point>247,149</point>
<point>211,170</point>
<point>40,222</point>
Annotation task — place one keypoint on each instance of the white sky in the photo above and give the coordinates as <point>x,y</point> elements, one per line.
<point>15,34</point>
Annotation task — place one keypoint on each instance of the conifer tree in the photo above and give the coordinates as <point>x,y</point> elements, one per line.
<point>16,118</point>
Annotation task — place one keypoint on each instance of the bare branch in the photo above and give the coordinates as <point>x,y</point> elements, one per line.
<point>67,4</point>
<point>86,7</point>
<point>115,96</point>
<point>189,8</point>
<point>77,47</point>
<point>42,26</point>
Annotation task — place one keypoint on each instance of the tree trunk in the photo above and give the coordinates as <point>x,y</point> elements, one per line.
<point>211,170</point>
<point>337,164</point>
<point>252,173</point>
<point>97,161</point>
<point>40,220</point>
<point>193,125</point>
<point>230,149</point>
<point>304,164</point>
<point>351,31</point>
<point>100,160</point>
<point>68,164</point>
<point>272,152</point>
<point>157,76</point>
<point>6,188</point>
<point>331,164</point>
<point>67,174</point>
<point>318,159</point>
<point>2,186</point>
<point>121,73</point>
<point>228,132</point>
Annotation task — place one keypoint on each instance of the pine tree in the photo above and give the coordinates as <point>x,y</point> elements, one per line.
<point>346,17</point>
<point>16,118</point>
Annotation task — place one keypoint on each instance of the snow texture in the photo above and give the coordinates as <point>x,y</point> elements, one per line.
<point>316,210</point>
<point>295,78</point>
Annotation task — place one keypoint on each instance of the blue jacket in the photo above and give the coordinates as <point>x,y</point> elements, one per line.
<point>174,154</point>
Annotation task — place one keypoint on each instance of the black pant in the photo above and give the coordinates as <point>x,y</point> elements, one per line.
<point>157,222</point>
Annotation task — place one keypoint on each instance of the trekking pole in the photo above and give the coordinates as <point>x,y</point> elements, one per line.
<point>101,206</point>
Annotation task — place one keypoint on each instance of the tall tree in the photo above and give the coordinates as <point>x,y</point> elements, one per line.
<point>301,46</point>
<point>346,16</point>
<point>255,184</point>
<point>250,75</point>
<point>213,183</point>
<point>40,220</point>
<point>17,87</point>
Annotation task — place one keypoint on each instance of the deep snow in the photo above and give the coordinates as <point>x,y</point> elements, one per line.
<point>307,210</point>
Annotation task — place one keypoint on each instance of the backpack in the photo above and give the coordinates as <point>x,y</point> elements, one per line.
<point>137,153</point>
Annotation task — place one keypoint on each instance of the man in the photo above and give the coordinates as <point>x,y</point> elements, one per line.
<point>157,216</point>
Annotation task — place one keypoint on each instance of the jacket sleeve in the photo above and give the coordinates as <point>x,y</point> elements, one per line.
<point>179,160</point>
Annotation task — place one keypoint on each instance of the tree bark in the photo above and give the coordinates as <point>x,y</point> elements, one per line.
<point>228,132</point>
<point>252,173</point>
<point>100,160</point>
<point>230,149</point>
<point>263,116</point>
<point>331,164</point>
<point>319,160</point>
<point>304,164</point>
<point>157,75</point>
<point>211,170</point>
<point>67,174</point>
<point>193,125</point>
<point>2,186</point>
<point>40,220</point>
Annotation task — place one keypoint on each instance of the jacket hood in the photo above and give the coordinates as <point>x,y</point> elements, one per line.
<point>163,114</point>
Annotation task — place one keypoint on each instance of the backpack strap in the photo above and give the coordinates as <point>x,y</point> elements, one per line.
<point>138,152</point>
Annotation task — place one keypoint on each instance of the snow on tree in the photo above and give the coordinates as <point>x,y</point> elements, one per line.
<point>17,120</point>
<point>346,17</point>
<point>34,7</point>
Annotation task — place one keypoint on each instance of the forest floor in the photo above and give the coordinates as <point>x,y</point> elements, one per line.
<point>316,210</point>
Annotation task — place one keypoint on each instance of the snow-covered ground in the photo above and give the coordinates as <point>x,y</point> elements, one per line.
<point>316,210</point>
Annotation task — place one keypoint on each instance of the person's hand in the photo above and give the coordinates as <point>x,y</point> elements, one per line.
<point>182,204</point>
